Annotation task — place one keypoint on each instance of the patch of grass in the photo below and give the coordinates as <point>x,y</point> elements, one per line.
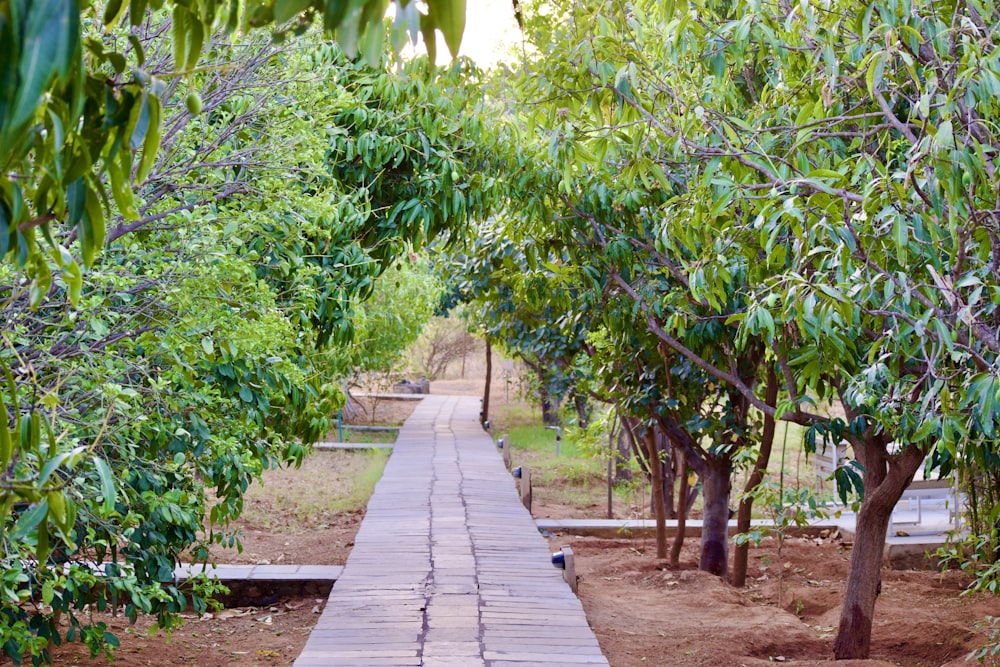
<point>327,483</point>
<point>571,477</point>
<point>514,415</point>
<point>369,437</point>
<point>364,484</point>
<point>577,478</point>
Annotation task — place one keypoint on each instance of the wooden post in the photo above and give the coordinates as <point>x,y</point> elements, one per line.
<point>484,415</point>
<point>569,572</point>
<point>505,452</point>
<point>526,487</point>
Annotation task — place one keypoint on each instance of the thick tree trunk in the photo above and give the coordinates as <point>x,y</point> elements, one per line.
<point>680,465</point>
<point>484,414</point>
<point>885,479</point>
<point>652,452</point>
<point>716,485</point>
<point>550,415</point>
<point>739,575</point>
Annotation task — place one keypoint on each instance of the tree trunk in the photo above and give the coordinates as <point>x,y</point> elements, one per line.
<point>740,557</point>
<point>624,452</point>
<point>582,410</point>
<point>668,473</point>
<point>484,414</point>
<point>692,496</point>
<point>680,466</point>
<point>885,479</point>
<point>652,452</point>
<point>669,480</point>
<point>716,485</point>
<point>550,415</point>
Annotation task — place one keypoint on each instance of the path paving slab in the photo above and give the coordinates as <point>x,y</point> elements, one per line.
<point>448,568</point>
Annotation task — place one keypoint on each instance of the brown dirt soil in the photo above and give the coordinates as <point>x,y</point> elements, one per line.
<point>376,410</point>
<point>642,612</point>
<point>326,545</point>
<point>245,636</point>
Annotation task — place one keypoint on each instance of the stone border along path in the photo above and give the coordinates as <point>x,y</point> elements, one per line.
<point>448,568</point>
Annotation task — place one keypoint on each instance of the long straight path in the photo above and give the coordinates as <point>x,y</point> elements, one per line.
<point>448,568</point>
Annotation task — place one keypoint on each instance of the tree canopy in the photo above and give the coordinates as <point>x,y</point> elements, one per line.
<point>713,214</point>
<point>809,190</point>
<point>209,335</point>
<point>81,104</point>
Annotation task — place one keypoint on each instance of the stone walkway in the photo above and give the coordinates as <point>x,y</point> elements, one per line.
<point>448,568</point>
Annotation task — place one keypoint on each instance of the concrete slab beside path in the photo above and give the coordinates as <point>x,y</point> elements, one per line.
<point>448,568</point>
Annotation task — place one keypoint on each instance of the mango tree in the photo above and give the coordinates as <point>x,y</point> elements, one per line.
<point>525,305</point>
<point>842,156</point>
<point>201,348</point>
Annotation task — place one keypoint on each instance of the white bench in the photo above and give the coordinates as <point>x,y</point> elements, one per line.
<point>826,460</point>
<point>920,490</point>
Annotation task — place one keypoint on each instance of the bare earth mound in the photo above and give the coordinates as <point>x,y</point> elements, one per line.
<point>646,614</point>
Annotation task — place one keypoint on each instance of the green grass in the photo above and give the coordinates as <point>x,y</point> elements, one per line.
<point>537,446</point>
<point>370,437</point>
<point>578,479</point>
<point>572,477</point>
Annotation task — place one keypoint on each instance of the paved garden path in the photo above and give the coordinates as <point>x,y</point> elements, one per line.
<point>448,568</point>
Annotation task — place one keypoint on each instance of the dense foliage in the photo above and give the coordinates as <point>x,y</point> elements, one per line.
<point>806,191</point>
<point>207,339</point>
<point>720,214</point>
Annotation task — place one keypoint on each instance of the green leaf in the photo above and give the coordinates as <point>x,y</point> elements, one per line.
<point>151,143</point>
<point>427,29</point>
<point>900,235</point>
<point>73,277</point>
<point>112,12</point>
<point>53,464</point>
<point>449,17</point>
<point>373,43</point>
<point>121,189</point>
<point>765,320</point>
<point>944,137</point>
<point>876,69</point>
<point>136,13</point>
<point>48,592</point>
<point>719,65</point>
<point>139,121</point>
<point>29,520</point>
<point>195,42</point>
<point>91,227</point>
<point>76,201</point>
<point>287,9</point>
<point>233,19</point>
<point>50,42</point>
<point>180,17</point>
<point>334,13</point>
<point>108,492</point>
<point>824,173</point>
